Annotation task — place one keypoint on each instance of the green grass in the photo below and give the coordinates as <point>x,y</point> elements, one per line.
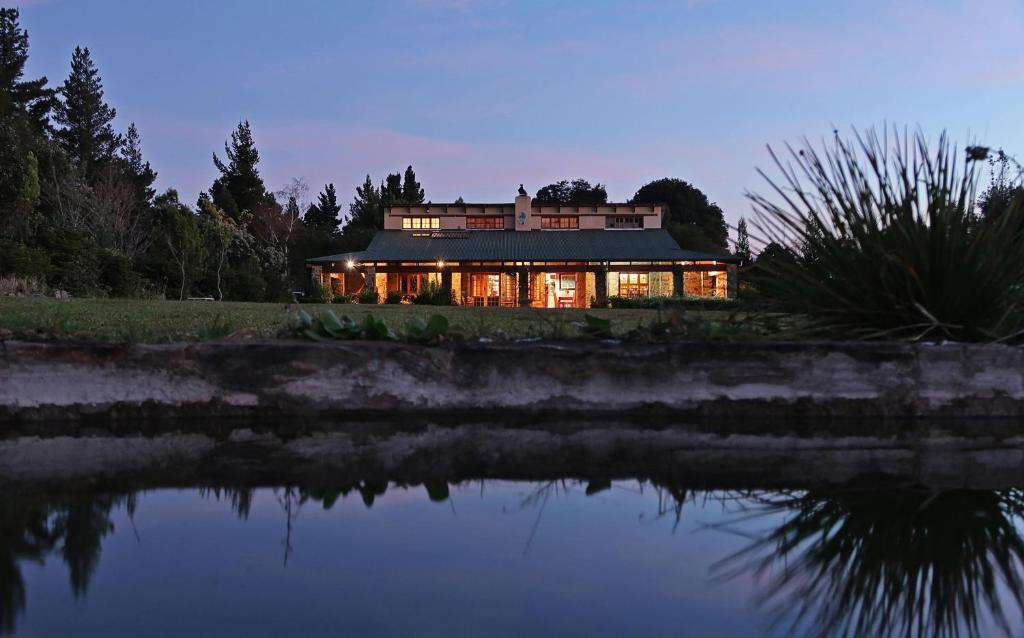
<point>150,321</point>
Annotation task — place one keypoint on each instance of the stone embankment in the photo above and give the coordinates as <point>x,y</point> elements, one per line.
<point>66,380</point>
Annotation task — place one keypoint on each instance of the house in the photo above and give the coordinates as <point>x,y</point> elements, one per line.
<point>527,254</point>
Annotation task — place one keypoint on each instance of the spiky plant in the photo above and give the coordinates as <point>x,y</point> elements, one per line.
<point>881,241</point>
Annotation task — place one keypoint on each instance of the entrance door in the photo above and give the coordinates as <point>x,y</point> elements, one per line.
<point>485,289</point>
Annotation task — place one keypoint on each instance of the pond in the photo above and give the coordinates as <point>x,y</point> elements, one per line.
<point>506,558</point>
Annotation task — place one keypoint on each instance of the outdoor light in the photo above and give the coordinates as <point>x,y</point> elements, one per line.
<point>440,264</point>
<point>350,264</point>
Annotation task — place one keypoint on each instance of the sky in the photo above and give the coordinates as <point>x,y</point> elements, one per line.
<point>481,95</point>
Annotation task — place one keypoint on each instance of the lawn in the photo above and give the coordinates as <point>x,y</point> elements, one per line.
<point>163,321</point>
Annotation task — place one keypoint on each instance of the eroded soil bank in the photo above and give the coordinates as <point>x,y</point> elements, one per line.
<point>70,381</point>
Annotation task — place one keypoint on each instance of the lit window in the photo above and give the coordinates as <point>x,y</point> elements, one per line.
<point>421,223</point>
<point>559,223</point>
<point>634,284</point>
<point>485,223</point>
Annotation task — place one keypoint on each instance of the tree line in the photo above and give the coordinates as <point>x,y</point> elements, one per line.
<point>79,211</point>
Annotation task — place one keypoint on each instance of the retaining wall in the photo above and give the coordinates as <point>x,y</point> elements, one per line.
<point>67,380</point>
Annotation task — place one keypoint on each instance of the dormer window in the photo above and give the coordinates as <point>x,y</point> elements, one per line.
<point>421,223</point>
<point>551,222</point>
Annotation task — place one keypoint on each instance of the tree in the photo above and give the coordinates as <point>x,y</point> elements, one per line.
<point>323,215</point>
<point>686,204</point>
<point>399,189</point>
<point>240,190</point>
<point>1005,185</point>
<point>366,210</point>
<point>743,243</point>
<point>412,191</point>
<point>85,119</point>
<point>114,219</point>
<point>578,191</point>
<point>31,96</point>
<point>184,244</point>
<point>137,169</point>
<point>222,239</point>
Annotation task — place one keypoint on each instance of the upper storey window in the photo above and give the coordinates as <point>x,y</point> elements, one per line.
<point>559,223</point>
<point>631,221</point>
<point>421,223</point>
<point>485,223</point>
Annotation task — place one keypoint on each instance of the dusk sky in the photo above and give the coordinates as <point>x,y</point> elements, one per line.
<point>479,96</point>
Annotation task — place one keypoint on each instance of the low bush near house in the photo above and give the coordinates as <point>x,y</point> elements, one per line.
<point>342,299</point>
<point>321,294</point>
<point>368,297</point>
<point>433,295</point>
<point>704,303</point>
<point>885,242</point>
<point>393,297</point>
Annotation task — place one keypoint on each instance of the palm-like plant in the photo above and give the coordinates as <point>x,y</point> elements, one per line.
<point>885,242</point>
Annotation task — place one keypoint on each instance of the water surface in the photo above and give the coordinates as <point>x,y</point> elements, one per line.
<point>559,558</point>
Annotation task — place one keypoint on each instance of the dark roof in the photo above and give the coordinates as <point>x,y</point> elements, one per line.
<point>533,202</point>
<point>534,245</point>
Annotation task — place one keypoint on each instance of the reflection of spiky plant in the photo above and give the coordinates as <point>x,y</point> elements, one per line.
<point>887,563</point>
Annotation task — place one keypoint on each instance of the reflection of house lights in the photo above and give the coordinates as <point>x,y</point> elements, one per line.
<point>440,264</point>
<point>350,264</point>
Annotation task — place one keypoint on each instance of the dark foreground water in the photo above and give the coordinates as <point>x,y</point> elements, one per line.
<point>494,558</point>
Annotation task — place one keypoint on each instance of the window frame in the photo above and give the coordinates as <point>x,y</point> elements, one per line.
<point>485,222</point>
<point>421,222</point>
<point>565,222</point>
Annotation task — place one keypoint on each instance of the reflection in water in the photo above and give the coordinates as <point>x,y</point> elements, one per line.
<point>31,528</point>
<point>885,563</point>
<point>855,563</point>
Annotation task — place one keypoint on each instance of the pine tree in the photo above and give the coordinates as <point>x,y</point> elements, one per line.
<point>240,191</point>
<point>412,192</point>
<point>32,96</point>
<point>138,170</point>
<point>86,133</point>
<point>323,215</point>
<point>391,190</point>
<point>366,212</point>
<point>743,243</point>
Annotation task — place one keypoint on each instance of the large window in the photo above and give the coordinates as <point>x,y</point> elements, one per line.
<point>559,223</point>
<point>633,284</point>
<point>485,223</point>
<point>421,223</point>
<point>632,221</point>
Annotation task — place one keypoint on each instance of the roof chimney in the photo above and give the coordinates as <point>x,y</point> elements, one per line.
<point>524,204</point>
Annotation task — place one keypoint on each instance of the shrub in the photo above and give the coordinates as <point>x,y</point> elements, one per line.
<point>368,296</point>
<point>343,298</point>
<point>886,243</point>
<point>320,294</point>
<point>433,295</point>
<point>393,297</point>
<point>14,286</point>
<point>118,277</point>
<point>675,302</point>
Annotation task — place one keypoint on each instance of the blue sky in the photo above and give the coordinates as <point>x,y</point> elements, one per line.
<point>481,95</point>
